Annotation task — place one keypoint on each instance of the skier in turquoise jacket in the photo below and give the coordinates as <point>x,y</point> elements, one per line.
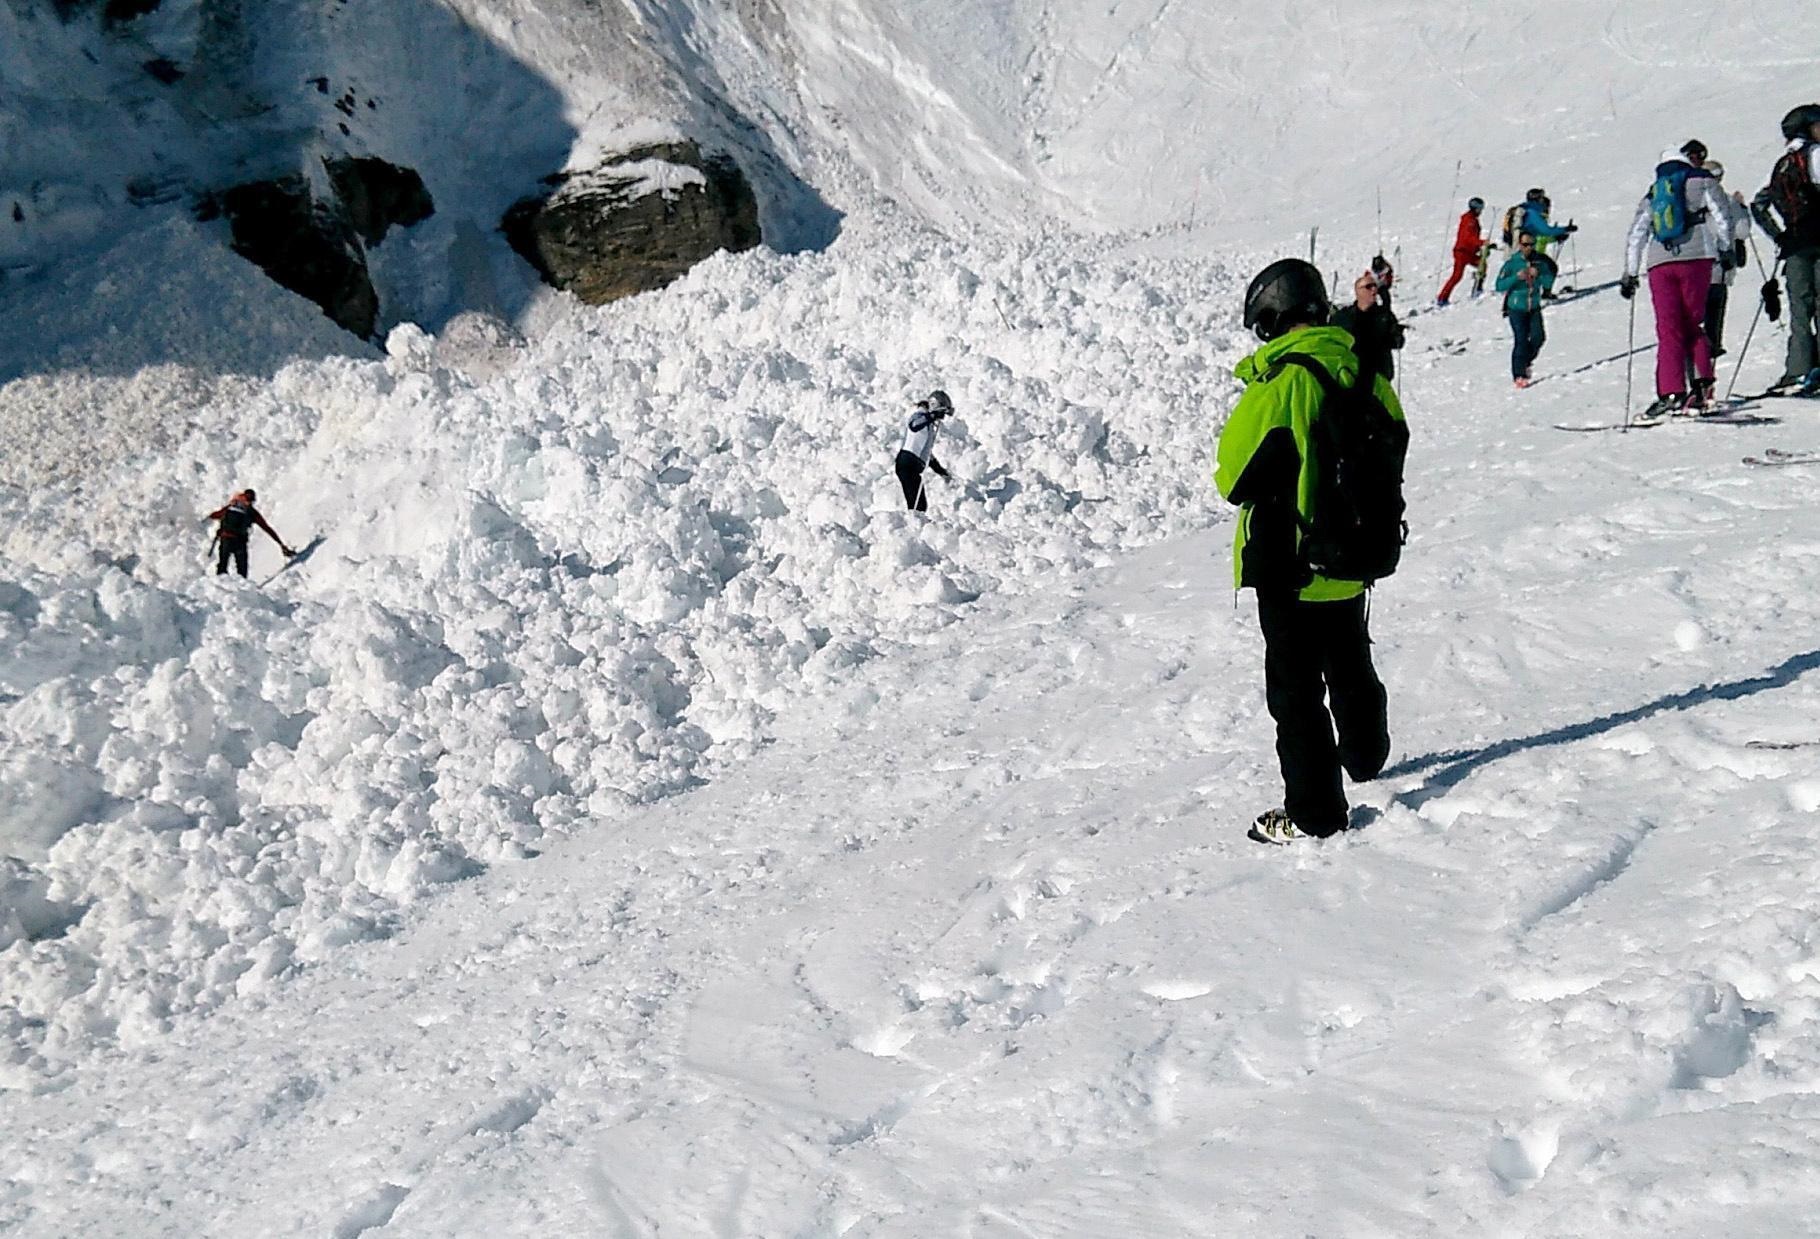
<point>1525,279</point>
<point>1317,648</point>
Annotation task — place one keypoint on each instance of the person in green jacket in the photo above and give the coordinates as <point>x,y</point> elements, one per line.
<point>1526,277</point>
<point>1317,648</point>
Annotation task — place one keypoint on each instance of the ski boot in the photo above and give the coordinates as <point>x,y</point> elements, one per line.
<point>1274,826</point>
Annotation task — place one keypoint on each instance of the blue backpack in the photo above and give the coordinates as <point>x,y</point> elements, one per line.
<point>1670,222</point>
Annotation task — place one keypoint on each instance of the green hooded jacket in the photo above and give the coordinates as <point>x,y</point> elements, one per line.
<point>1263,460</point>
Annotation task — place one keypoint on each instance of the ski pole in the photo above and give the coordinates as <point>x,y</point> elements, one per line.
<point>1453,196</point>
<point>1630,357</point>
<point>1744,349</point>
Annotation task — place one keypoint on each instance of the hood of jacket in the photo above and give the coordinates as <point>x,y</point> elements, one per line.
<point>1331,346</point>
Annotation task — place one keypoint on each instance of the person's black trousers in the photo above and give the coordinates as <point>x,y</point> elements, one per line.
<point>1317,655</point>
<point>1530,336</point>
<point>234,548</point>
<point>1716,298</point>
<point>1801,271</point>
<point>910,476</point>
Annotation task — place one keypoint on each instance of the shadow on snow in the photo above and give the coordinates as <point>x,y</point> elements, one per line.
<point>1451,768</point>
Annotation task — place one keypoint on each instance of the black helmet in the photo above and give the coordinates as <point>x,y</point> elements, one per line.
<point>936,402</point>
<point>1694,149</point>
<point>1802,119</point>
<point>1536,195</point>
<point>1288,291</point>
<point>1475,204</point>
<point>250,496</point>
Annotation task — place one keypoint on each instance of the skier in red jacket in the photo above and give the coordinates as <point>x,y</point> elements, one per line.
<point>1467,245</point>
<point>236,519</point>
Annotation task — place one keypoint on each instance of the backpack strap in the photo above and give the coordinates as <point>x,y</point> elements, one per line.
<point>1330,387</point>
<point>1329,384</point>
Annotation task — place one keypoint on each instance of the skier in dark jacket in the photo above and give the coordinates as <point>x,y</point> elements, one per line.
<point>918,450</point>
<point>1317,648</point>
<point>1788,208</point>
<point>235,520</point>
<point>1376,333</point>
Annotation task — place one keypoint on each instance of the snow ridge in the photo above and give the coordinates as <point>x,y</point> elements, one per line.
<point>559,579</point>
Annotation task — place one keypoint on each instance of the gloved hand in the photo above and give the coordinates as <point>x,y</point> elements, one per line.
<point>1772,300</point>
<point>1627,287</point>
<point>1738,253</point>
<point>1571,228</point>
<point>1728,259</point>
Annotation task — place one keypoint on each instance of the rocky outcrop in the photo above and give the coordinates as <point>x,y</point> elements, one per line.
<point>636,222</point>
<point>379,196</point>
<point>120,12</point>
<point>315,244</point>
<point>308,246</point>
<point>114,13</point>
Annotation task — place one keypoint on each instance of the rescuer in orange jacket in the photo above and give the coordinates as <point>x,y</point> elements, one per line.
<point>1468,243</point>
<point>236,519</point>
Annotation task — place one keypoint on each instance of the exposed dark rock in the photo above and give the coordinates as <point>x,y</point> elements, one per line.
<point>120,12</point>
<point>308,246</point>
<point>166,71</point>
<point>635,223</point>
<point>314,245</point>
<point>379,196</point>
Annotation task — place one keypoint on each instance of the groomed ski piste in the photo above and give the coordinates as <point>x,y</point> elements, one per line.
<point>629,821</point>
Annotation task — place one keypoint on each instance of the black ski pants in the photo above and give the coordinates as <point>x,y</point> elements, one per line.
<point>1717,298</point>
<point>1528,338</point>
<point>910,477</point>
<point>230,548</point>
<point>1317,655</point>
<point>1799,270</point>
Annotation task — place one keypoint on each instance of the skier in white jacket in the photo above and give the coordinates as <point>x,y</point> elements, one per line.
<point>1680,273</point>
<point>918,450</point>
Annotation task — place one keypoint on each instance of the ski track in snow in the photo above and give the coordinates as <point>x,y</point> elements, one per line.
<point>629,822</point>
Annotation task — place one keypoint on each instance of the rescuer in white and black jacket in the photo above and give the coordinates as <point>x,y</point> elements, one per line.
<point>918,450</point>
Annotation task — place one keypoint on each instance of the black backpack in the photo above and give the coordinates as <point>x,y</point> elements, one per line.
<point>236,520</point>
<point>1357,531</point>
<point>1796,198</point>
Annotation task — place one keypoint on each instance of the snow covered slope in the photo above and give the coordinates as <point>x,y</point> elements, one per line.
<point>1243,126</point>
<point>977,945</point>
<point>628,820</point>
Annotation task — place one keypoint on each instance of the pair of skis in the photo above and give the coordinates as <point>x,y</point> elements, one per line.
<point>1776,456</point>
<point>1735,412</point>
